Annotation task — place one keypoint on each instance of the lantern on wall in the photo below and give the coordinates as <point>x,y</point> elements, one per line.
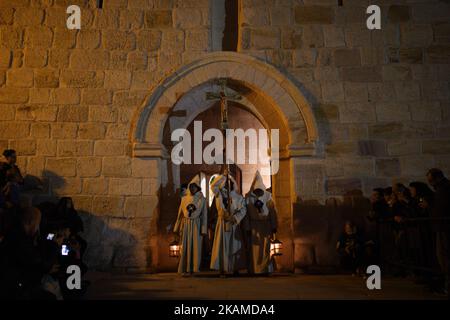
<point>174,249</point>
<point>276,247</point>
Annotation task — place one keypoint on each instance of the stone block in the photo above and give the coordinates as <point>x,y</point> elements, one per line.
<point>144,168</point>
<point>109,147</point>
<point>264,38</point>
<point>386,131</point>
<point>312,36</point>
<point>107,19</point>
<point>410,55</point>
<point>150,40</point>
<point>67,96</point>
<point>6,16</point>
<point>108,206</point>
<point>96,97</point>
<point>185,18</point>
<point>116,167</point>
<point>313,15</point>
<point>376,148</point>
<point>140,207</point>
<point>416,165</point>
<point>150,187</point>
<point>59,58</point>
<point>438,54</point>
<point>55,17</point>
<point>74,148</point>
<point>115,79</point>
<point>416,35</point>
<point>36,113</point>
<point>357,112</point>
<point>118,40</point>
<point>305,57</point>
<point>89,166</point>
<point>35,58</point>
<point>88,39</point>
<point>92,130</point>
<point>64,167</point>
<point>46,78</point>
<point>404,147</point>
<point>25,147</point>
<point>392,111</point>
<point>387,167</point>
<point>347,57</point>
<point>381,92</point>
<point>398,14</point>
<point>341,148</point>
<point>89,59</point>
<point>11,37</point>
<point>95,186</point>
<point>131,19</point>
<point>102,114</point>
<point>29,16</point>
<point>125,186</point>
<point>64,130</point>
<point>40,130</point>
<point>38,37</point>
<point>362,74</point>
<point>341,186</point>
<point>396,73</point>
<point>73,114</point>
<point>356,92</point>
<point>436,146</point>
<point>137,60</point>
<point>197,39</point>
<point>332,91</point>
<point>46,147</point>
<point>20,78</point>
<point>13,95</point>
<point>64,38</point>
<point>158,19</point>
<point>82,79</point>
<point>334,36</point>
<point>66,186</point>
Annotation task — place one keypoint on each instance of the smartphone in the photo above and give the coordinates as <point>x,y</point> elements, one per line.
<point>50,236</point>
<point>64,250</point>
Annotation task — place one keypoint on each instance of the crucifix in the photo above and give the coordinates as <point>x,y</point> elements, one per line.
<point>223,96</point>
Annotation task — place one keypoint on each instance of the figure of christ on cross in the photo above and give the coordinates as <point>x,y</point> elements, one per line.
<point>223,96</point>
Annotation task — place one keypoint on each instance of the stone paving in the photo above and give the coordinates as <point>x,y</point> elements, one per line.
<point>280,286</point>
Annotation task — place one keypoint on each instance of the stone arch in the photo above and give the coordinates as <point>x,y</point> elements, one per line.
<point>267,92</point>
<point>268,85</point>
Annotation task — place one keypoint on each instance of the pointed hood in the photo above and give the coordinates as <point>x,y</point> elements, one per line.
<point>195,180</point>
<point>257,182</point>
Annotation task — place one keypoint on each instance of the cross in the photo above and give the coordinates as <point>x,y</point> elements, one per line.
<point>223,96</point>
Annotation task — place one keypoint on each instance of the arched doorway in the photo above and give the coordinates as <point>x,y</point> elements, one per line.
<point>269,95</point>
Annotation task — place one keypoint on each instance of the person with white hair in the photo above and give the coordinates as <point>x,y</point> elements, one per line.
<point>261,224</point>
<point>191,225</point>
<point>227,251</point>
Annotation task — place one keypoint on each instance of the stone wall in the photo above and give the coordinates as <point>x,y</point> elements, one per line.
<point>68,98</point>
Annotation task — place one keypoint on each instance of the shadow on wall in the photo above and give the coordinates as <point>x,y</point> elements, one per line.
<point>317,228</point>
<point>114,242</point>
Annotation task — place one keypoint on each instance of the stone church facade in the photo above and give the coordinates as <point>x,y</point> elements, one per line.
<point>89,110</point>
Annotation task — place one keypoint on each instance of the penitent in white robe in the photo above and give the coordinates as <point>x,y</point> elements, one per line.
<point>191,228</point>
<point>261,223</point>
<point>227,252</point>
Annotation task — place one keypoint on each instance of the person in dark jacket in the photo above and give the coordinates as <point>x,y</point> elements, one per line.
<point>440,213</point>
<point>349,248</point>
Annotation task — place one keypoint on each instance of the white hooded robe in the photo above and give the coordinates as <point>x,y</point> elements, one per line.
<point>191,228</point>
<point>227,252</point>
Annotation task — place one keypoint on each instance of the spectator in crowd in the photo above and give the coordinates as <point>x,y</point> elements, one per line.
<point>10,163</point>
<point>422,198</point>
<point>440,212</point>
<point>349,248</point>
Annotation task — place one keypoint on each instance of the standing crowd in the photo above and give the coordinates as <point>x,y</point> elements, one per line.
<point>37,244</point>
<point>409,234</point>
<point>244,227</point>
